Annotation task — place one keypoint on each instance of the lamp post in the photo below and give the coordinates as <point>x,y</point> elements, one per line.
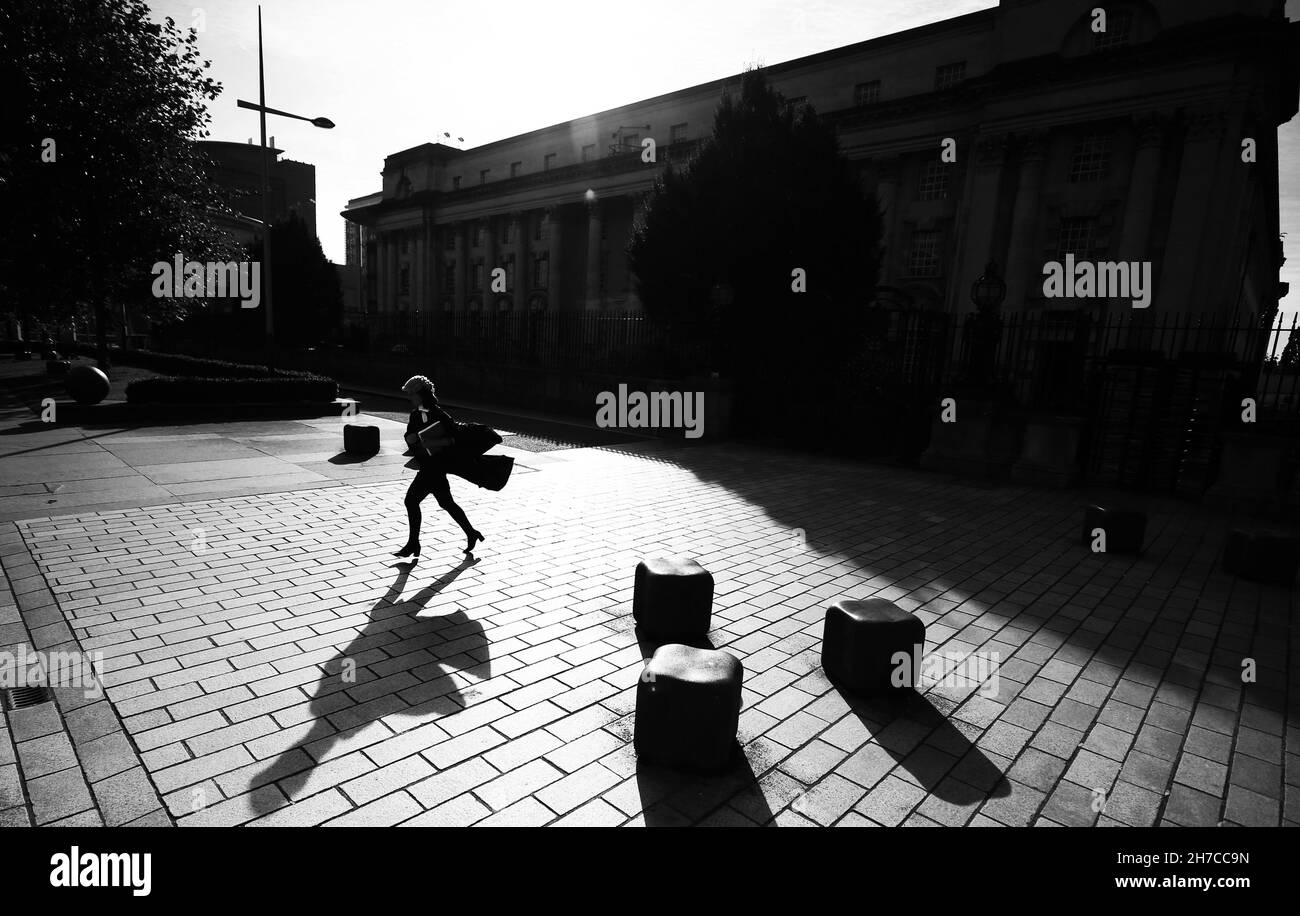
<point>266,185</point>
<point>987,294</point>
<point>989,290</point>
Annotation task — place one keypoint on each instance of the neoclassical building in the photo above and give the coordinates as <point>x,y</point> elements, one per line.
<point>1134,142</point>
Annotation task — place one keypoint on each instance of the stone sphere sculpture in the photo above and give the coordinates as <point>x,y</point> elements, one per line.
<point>87,384</point>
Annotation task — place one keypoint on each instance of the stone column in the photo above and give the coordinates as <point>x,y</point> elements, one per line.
<point>887,172</point>
<point>1177,289</point>
<point>386,278</point>
<point>638,216</point>
<point>1142,185</point>
<point>489,264</point>
<point>1023,274</point>
<point>591,291</point>
<point>979,244</point>
<point>394,271</point>
<point>436,269</point>
<point>1139,212</point>
<point>554,225</point>
<point>523,281</point>
<point>417,270</point>
<point>461,296</point>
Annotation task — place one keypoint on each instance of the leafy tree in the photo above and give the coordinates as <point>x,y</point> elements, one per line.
<point>98,167</point>
<point>308,301</point>
<point>768,193</point>
<point>1291,353</point>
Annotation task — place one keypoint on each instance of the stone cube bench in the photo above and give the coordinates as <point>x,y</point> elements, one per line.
<point>1262,555</point>
<point>672,597</point>
<point>1125,528</point>
<point>360,439</point>
<point>861,639</point>
<point>688,708</point>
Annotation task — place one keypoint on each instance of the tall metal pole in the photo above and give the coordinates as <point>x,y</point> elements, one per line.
<point>266,202</point>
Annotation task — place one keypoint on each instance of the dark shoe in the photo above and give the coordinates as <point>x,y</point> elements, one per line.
<point>410,550</point>
<point>473,539</point>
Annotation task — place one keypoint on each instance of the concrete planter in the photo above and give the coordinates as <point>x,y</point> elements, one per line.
<point>1250,472</point>
<point>1049,453</point>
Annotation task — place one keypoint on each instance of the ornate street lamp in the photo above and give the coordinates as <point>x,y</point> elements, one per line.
<point>989,290</point>
<point>987,294</point>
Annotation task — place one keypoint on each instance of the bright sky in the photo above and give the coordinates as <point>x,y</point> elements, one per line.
<point>394,73</point>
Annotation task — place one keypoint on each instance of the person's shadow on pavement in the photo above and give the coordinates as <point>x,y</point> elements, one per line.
<point>341,692</point>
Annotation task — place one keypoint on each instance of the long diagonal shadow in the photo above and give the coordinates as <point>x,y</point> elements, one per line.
<point>925,743</point>
<point>672,798</point>
<point>341,697</point>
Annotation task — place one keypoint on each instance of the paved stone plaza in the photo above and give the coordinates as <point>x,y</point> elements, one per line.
<point>502,691</point>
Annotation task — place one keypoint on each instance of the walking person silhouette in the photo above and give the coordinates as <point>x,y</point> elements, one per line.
<point>432,476</point>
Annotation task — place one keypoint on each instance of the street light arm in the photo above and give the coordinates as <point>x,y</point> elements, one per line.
<point>319,122</point>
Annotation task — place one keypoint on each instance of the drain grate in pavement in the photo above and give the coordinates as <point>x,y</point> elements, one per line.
<point>22,697</point>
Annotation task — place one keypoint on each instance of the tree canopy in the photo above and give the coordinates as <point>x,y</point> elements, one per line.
<point>769,193</point>
<point>307,295</point>
<point>99,170</point>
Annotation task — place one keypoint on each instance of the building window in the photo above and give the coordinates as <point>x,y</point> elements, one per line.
<point>404,243</point>
<point>482,176</point>
<point>448,240</point>
<point>404,281</point>
<point>478,235</point>
<point>1119,27</point>
<point>476,273</point>
<point>949,75</point>
<point>934,181</point>
<point>797,104</point>
<point>506,231</point>
<point>1075,236</point>
<point>548,162</point>
<point>589,152</point>
<point>542,228</point>
<point>514,169</point>
<point>449,278</point>
<point>1091,159</point>
<point>677,133</point>
<point>541,270</point>
<point>923,256</point>
<point>866,93</point>
<point>455,183</point>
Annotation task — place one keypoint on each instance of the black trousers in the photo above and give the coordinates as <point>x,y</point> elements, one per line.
<point>432,480</point>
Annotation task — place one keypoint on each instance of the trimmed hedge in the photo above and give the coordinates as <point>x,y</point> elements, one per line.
<point>302,386</point>
<point>179,364</point>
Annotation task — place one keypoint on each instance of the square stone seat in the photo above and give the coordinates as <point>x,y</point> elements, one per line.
<point>360,439</point>
<point>688,708</point>
<point>1263,555</point>
<point>672,597</point>
<point>861,638</point>
<point>1126,529</point>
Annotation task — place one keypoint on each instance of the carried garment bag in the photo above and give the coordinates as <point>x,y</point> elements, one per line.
<point>476,438</point>
<point>491,472</point>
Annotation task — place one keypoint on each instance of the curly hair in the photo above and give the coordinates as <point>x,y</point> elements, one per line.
<point>418,383</point>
